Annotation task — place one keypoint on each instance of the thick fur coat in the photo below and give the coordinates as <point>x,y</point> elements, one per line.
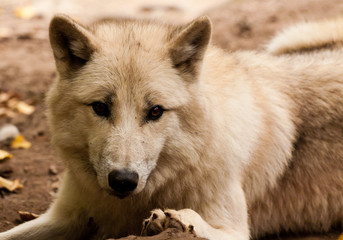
<point>244,144</point>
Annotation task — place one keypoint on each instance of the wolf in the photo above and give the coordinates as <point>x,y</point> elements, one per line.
<point>151,119</point>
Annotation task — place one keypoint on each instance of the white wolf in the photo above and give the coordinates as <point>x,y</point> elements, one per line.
<point>152,116</point>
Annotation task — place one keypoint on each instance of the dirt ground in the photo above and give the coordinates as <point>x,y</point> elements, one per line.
<point>27,69</point>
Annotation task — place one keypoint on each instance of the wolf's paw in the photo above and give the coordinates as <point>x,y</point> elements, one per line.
<point>161,220</point>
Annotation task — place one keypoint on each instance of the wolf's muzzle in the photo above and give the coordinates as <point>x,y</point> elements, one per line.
<point>123,182</point>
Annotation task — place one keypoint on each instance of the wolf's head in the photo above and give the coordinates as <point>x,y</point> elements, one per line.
<point>122,96</point>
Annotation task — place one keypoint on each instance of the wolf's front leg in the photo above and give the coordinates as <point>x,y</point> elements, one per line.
<point>226,220</point>
<point>64,220</point>
<point>45,227</point>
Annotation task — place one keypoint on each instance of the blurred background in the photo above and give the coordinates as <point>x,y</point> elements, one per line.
<point>29,169</point>
<point>88,10</point>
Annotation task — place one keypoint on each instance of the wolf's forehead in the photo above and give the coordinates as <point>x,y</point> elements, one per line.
<point>147,35</point>
<point>131,52</point>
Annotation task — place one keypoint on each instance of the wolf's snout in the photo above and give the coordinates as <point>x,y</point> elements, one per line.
<point>123,182</point>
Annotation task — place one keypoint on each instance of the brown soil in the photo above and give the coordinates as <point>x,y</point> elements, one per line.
<point>27,68</point>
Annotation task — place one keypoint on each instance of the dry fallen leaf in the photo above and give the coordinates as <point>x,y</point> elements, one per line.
<point>4,96</point>
<point>26,12</point>
<point>25,108</point>
<point>20,106</point>
<point>7,112</point>
<point>10,185</point>
<point>20,142</point>
<point>4,155</point>
<point>27,216</point>
<point>12,103</point>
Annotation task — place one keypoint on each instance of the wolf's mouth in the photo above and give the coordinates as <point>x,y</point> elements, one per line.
<point>120,195</point>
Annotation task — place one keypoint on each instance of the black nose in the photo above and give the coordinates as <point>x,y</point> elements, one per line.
<point>123,181</point>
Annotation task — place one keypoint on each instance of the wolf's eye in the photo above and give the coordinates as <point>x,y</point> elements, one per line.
<point>100,109</point>
<point>155,112</point>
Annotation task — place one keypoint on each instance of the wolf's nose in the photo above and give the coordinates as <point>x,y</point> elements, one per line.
<point>123,181</point>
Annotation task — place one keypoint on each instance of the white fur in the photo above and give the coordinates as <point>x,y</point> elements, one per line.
<point>251,143</point>
<point>307,35</point>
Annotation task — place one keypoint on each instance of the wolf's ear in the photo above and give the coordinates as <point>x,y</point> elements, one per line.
<point>72,44</point>
<point>187,49</point>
